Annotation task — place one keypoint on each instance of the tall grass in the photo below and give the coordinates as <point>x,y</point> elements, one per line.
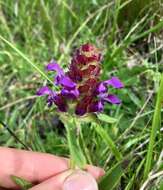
<point>155,126</point>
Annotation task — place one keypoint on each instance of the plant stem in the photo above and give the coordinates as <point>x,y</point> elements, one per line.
<point>68,131</point>
<point>77,157</point>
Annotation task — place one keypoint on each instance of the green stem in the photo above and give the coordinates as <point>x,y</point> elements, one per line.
<point>155,126</point>
<point>77,157</point>
<point>68,131</point>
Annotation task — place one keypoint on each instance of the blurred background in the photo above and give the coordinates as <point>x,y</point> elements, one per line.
<point>130,35</point>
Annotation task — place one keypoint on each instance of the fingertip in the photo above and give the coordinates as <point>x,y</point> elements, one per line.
<point>96,171</point>
<point>101,172</point>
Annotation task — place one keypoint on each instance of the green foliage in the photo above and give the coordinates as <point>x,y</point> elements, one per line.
<point>109,142</point>
<point>113,176</point>
<point>129,34</point>
<point>106,118</point>
<point>155,127</point>
<point>22,183</point>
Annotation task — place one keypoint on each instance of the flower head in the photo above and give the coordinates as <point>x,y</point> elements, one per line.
<point>81,85</point>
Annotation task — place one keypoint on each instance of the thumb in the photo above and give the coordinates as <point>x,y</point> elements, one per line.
<point>80,180</point>
<point>69,180</point>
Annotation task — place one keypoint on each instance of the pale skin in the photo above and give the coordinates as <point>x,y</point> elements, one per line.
<point>45,170</point>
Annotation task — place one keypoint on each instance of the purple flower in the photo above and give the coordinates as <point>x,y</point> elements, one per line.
<point>54,66</point>
<point>72,94</point>
<point>81,85</point>
<point>101,88</point>
<point>67,83</point>
<point>111,98</point>
<point>44,90</point>
<point>69,88</point>
<point>97,106</point>
<point>114,82</point>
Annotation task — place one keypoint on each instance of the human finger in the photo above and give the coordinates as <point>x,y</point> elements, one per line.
<point>33,166</point>
<point>69,180</point>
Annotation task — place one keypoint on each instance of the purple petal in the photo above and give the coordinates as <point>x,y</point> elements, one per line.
<point>66,82</point>
<point>102,95</point>
<point>70,93</point>
<point>43,90</point>
<point>112,99</point>
<point>97,106</point>
<point>101,88</point>
<point>115,82</point>
<point>54,66</point>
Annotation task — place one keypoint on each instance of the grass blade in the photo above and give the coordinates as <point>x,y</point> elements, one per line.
<point>26,58</point>
<point>132,180</point>
<point>109,142</point>
<point>155,28</point>
<point>155,125</point>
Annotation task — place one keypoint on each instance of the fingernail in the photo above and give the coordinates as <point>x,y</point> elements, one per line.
<point>80,180</point>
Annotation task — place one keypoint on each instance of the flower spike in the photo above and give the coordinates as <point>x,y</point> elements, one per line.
<point>81,85</point>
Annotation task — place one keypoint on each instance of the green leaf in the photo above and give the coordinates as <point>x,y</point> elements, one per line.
<point>106,118</point>
<point>22,183</point>
<point>113,176</point>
